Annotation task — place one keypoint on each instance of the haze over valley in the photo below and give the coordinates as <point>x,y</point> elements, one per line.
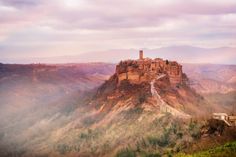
<point>120,78</point>
<point>53,102</point>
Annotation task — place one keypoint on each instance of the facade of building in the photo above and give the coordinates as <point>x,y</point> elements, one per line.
<point>143,69</point>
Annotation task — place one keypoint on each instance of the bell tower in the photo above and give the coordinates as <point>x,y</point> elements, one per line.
<point>141,54</point>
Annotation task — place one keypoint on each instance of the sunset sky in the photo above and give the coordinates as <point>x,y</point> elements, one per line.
<point>48,28</point>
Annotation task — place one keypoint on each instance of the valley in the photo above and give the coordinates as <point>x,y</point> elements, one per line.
<point>91,109</point>
<point>117,78</point>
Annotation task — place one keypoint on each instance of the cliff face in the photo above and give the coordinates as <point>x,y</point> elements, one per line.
<point>152,84</point>
<point>142,70</point>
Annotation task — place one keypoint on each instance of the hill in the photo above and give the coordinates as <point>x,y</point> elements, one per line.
<point>98,109</point>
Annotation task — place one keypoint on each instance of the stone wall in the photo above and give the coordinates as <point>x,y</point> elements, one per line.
<point>146,69</point>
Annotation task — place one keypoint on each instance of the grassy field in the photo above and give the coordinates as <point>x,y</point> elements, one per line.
<point>226,150</point>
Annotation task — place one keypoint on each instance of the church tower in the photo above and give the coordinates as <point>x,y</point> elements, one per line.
<point>141,54</point>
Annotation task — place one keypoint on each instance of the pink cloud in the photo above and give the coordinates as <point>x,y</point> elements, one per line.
<point>88,25</point>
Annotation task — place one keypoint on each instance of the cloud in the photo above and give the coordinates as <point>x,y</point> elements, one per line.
<point>21,3</point>
<point>118,14</point>
<point>76,26</point>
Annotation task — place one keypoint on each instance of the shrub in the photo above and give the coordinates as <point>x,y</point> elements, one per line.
<point>153,155</point>
<point>162,141</point>
<point>196,134</point>
<point>154,141</point>
<point>174,128</point>
<point>132,113</point>
<point>126,153</point>
<point>179,135</point>
<point>63,148</point>
<point>226,150</point>
<point>138,147</point>
<point>169,154</point>
<point>89,134</point>
<point>84,136</point>
<point>194,130</point>
<point>143,143</point>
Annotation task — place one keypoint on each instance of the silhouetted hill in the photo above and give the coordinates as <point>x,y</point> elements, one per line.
<point>183,54</point>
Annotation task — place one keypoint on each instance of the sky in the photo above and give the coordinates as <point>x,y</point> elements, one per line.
<point>48,28</point>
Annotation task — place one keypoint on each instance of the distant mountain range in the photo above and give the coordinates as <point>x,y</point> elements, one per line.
<point>211,78</point>
<point>183,54</point>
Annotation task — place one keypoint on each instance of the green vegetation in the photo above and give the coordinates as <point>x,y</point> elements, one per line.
<point>126,153</point>
<point>153,155</point>
<point>165,136</point>
<point>161,141</point>
<point>194,129</point>
<point>63,148</point>
<point>129,152</point>
<point>140,134</point>
<point>132,113</point>
<point>227,150</point>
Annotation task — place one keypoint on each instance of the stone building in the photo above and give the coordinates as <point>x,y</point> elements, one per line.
<point>229,120</point>
<point>146,69</point>
<point>141,54</point>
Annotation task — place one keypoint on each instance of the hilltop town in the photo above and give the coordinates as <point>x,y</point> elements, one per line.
<point>146,69</point>
<point>153,84</point>
<point>144,100</point>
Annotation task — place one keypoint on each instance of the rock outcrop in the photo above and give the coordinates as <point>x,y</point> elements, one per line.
<point>134,82</point>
